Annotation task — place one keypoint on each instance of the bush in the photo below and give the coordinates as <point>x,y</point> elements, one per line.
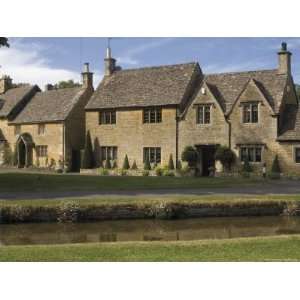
<point>246,166</point>
<point>168,173</point>
<point>158,171</point>
<point>171,163</point>
<point>147,165</point>
<point>7,155</point>
<point>114,165</point>
<point>134,166</point>
<point>126,163</point>
<point>87,161</point>
<point>226,156</point>
<point>103,172</point>
<point>275,166</point>
<point>107,164</point>
<point>123,172</point>
<point>145,173</point>
<point>179,165</point>
<point>190,155</point>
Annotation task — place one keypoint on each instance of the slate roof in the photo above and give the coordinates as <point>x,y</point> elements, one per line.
<point>229,86</point>
<point>12,98</point>
<point>163,85</point>
<point>290,124</point>
<point>49,106</point>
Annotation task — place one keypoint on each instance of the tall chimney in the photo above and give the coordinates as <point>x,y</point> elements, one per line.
<point>284,60</point>
<point>110,63</point>
<point>5,84</point>
<point>87,76</point>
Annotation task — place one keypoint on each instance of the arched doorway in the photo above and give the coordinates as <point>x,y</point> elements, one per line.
<point>24,148</point>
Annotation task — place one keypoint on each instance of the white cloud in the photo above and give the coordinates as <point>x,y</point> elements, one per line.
<point>26,63</point>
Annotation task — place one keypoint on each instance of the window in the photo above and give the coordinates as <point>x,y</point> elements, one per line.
<point>41,129</point>
<point>152,115</point>
<point>153,154</point>
<point>17,129</point>
<point>250,113</point>
<point>41,151</point>
<point>297,155</point>
<point>107,117</point>
<point>252,152</point>
<point>108,152</point>
<point>203,114</point>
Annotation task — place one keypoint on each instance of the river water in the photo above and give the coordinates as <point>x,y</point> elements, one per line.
<point>147,230</point>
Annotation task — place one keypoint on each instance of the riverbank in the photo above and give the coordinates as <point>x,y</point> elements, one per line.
<point>279,248</point>
<point>137,207</point>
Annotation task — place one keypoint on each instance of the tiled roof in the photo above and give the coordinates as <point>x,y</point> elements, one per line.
<point>12,98</point>
<point>230,85</point>
<point>49,106</point>
<point>163,85</point>
<point>290,124</point>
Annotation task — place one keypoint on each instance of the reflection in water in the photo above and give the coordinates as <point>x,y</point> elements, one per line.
<point>147,230</point>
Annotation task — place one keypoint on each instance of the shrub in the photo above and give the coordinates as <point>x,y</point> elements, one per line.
<point>87,161</point>
<point>114,164</point>
<point>168,173</point>
<point>275,166</point>
<point>190,155</point>
<point>145,173</point>
<point>7,155</point>
<point>179,165</point>
<point>246,166</point>
<point>103,172</point>
<point>147,165</point>
<point>126,163</point>
<point>134,166</point>
<point>226,156</point>
<point>171,163</point>
<point>123,172</point>
<point>107,164</point>
<point>158,171</point>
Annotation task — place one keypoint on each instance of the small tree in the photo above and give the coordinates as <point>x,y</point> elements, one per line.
<point>126,163</point>
<point>147,165</point>
<point>246,166</point>
<point>7,155</point>
<point>275,166</point>
<point>114,165</point>
<point>87,159</point>
<point>107,164</point>
<point>171,163</point>
<point>134,166</point>
<point>190,155</point>
<point>226,156</point>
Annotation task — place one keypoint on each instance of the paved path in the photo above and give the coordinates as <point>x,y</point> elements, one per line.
<point>274,187</point>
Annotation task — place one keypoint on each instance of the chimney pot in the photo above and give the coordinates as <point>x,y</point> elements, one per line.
<point>5,84</point>
<point>87,76</point>
<point>86,68</point>
<point>284,60</point>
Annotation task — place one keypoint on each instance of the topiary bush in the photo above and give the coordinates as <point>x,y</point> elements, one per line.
<point>226,156</point>
<point>190,155</point>
<point>87,161</point>
<point>134,166</point>
<point>147,165</point>
<point>158,171</point>
<point>114,165</point>
<point>126,165</point>
<point>145,173</point>
<point>103,172</point>
<point>7,155</point>
<point>168,173</point>
<point>275,166</point>
<point>107,164</point>
<point>171,163</point>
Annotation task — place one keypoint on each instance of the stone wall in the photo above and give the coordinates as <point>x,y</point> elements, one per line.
<point>131,135</point>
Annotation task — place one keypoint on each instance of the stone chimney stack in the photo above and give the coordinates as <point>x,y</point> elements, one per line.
<point>87,76</point>
<point>284,60</point>
<point>110,63</point>
<point>5,84</point>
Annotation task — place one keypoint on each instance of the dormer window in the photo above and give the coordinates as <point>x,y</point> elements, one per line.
<point>107,117</point>
<point>203,114</point>
<point>250,113</point>
<point>152,115</point>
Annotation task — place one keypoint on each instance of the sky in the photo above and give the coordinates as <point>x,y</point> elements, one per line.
<point>50,60</point>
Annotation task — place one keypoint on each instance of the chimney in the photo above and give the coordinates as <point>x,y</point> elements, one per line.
<point>48,87</point>
<point>110,63</point>
<point>284,60</point>
<point>87,76</point>
<point>5,84</point>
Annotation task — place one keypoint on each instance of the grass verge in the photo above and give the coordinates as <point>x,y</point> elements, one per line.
<point>282,248</point>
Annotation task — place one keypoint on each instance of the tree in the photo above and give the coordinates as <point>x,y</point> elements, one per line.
<point>226,156</point>
<point>66,84</point>
<point>134,166</point>
<point>190,155</point>
<point>126,163</point>
<point>4,42</point>
<point>171,163</point>
<point>147,165</point>
<point>87,159</point>
<point>275,166</point>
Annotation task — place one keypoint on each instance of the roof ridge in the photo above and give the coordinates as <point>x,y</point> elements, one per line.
<point>241,72</point>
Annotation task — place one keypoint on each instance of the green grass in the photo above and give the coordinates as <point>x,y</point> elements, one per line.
<point>21,182</point>
<point>280,248</point>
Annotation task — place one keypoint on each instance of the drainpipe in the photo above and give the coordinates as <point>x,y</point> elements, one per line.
<point>176,138</point>
<point>229,131</point>
<point>64,140</point>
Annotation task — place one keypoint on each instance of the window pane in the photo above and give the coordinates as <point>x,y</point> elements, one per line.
<point>207,114</point>
<point>146,115</point>
<point>146,153</point>
<point>246,113</point>
<point>113,117</point>
<point>254,113</point>
<point>152,155</point>
<point>115,152</point>
<point>243,153</point>
<point>158,115</point>
<point>200,115</point>
<point>158,155</point>
<point>258,154</point>
<point>152,116</point>
<point>251,154</point>
<point>107,117</point>
<point>297,155</point>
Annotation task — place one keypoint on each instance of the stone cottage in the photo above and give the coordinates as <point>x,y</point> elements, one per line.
<point>157,111</point>
<point>45,128</point>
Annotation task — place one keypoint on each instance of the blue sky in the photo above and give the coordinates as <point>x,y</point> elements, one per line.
<point>48,60</point>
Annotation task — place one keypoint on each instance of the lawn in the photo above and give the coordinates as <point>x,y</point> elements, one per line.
<point>280,248</point>
<point>22,182</point>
